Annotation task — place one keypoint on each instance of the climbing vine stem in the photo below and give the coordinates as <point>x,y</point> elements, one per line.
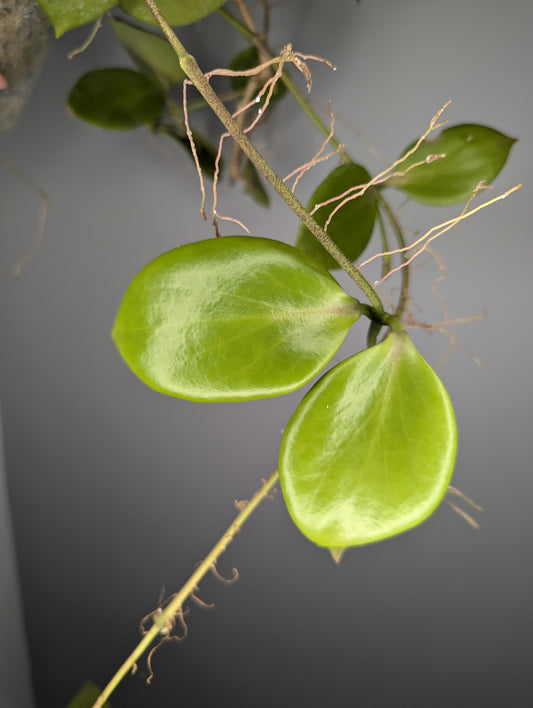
<point>404,294</point>
<point>199,80</point>
<point>168,613</point>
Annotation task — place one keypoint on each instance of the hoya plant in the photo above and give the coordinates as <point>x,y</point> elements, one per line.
<point>369,451</point>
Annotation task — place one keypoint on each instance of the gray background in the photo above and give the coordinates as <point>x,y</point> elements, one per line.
<point>117,491</point>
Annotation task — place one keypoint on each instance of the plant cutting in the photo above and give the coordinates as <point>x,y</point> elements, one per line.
<point>369,451</point>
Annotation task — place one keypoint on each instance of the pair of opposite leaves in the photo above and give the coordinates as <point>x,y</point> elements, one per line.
<point>370,450</point>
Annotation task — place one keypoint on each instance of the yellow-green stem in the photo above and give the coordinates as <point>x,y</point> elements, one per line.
<point>168,613</point>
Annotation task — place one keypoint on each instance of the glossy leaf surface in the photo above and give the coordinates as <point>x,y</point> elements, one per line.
<point>248,59</point>
<point>87,697</point>
<point>176,12</point>
<point>351,227</point>
<point>370,450</point>
<point>232,318</point>
<point>67,14</point>
<point>116,98</point>
<point>472,153</point>
<point>151,52</point>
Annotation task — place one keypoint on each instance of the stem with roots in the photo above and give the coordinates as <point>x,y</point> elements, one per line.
<point>259,42</point>
<point>196,76</point>
<point>169,612</point>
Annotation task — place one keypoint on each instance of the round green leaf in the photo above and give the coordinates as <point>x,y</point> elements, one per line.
<point>67,14</point>
<point>116,98</point>
<point>351,227</point>
<point>472,153</point>
<point>370,450</point>
<point>233,318</point>
<point>151,52</point>
<point>249,59</point>
<point>176,12</point>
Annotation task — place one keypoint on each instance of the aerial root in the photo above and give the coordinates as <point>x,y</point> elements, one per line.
<point>45,208</point>
<point>241,505</point>
<point>319,157</point>
<point>166,631</point>
<point>178,616</point>
<point>386,174</point>
<point>273,492</point>
<point>469,519</point>
<point>225,581</point>
<point>438,230</point>
<point>287,55</point>
<point>201,603</point>
<point>86,43</point>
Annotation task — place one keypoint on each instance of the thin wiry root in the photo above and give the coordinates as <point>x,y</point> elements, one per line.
<point>45,208</point>
<point>179,616</point>
<point>384,175</point>
<point>462,495</point>
<point>201,603</point>
<point>300,171</point>
<point>437,231</point>
<point>193,147</point>
<point>463,513</point>
<point>442,327</point>
<point>287,55</point>
<point>226,581</point>
<point>85,44</point>
<point>273,492</point>
<point>469,519</point>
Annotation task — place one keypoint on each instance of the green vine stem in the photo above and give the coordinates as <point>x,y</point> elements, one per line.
<point>198,79</point>
<point>404,295</point>
<point>386,263</point>
<point>166,616</point>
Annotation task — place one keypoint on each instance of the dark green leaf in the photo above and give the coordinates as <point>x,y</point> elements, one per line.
<point>205,152</point>
<point>232,318</point>
<point>67,14</point>
<point>472,153</point>
<point>351,227</point>
<point>87,697</point>
<point>253,185</point>
<point>249,59</point>
<point>176,12</point>
<point>152,53</point>
<point>370,450</point>
<point>116,98</point>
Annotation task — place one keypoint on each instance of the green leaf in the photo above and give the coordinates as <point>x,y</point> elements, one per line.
<point>253,185</point>
<point>151,52</point>
<point>472,153</point>
<point>176,12</point>
<point>249,59</point>
<point>87,697</point>
<point>232,318</point>
<point>351,227</point>
<point>116,98</point>
<point>67,14</point>
<point>370,450</point>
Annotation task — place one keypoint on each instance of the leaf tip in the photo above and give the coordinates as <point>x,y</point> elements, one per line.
<point>337,554</point>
